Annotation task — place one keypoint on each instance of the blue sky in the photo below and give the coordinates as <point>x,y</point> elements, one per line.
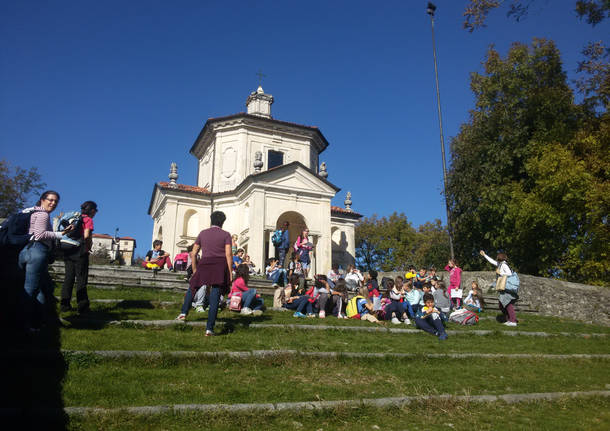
<point>102,96</point>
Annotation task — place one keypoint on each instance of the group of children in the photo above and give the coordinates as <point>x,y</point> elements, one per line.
<point>421,296</point>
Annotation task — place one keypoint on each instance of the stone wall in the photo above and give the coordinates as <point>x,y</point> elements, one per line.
<point>550,297</point>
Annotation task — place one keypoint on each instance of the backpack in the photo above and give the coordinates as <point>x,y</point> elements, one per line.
<point>352,306</point>
<point>464,317</point>
<point>70,218</point>
<point>276,238</point>
<point>512,283</point>
<point>15,230</point>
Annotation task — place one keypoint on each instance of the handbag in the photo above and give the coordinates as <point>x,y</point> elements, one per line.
<point>500,281</point>
<point>235,303</point>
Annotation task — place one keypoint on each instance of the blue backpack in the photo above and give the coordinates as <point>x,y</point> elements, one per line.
<point>276,238</point>
<point>512,282</point>
<point>14,230</point>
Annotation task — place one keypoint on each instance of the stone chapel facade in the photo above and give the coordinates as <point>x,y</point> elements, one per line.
<point>260,172</point>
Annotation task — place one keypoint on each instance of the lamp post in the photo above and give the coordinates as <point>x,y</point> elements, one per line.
<point>430,10</point>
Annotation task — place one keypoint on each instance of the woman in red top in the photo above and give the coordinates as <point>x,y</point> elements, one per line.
<point>76,262</point>
<point>214,268</point>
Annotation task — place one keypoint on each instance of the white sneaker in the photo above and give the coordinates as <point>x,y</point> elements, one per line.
<point>181,317</point>
<point>199,309</point>
<point>395,321</point>
<point>322,314</point>
<point>510,323</point>
<point>407,321</point>
<point>246,311</point>
<point>257,312</point>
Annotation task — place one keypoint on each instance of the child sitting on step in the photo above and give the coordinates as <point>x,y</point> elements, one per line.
<point>429,319</point>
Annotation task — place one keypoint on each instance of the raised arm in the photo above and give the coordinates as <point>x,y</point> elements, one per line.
<point>489,259</point>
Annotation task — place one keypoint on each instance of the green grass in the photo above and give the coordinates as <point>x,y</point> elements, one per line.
<point>134,293</point>
<point>240,338</point>
<point>153,310</point>
<point>568,414</point>
<point>89,380</point>
<point>290,378</point>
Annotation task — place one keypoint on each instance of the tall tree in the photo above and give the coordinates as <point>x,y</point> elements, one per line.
<point>476,12</point>
<point>17,187</point>
<point>529,168</point>
<point>392,244</point>
<point>384,243</point>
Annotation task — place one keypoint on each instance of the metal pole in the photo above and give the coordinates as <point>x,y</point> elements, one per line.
<point>431,9</point>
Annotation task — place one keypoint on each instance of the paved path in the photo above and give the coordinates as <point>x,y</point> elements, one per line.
<point>166,323</point>
<point>417,331</point>
<point>308,405</point>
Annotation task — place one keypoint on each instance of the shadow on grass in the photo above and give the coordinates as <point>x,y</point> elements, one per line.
<point>31,389</point>
<point>98,319</point>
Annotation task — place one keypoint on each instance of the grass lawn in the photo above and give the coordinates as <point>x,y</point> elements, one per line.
<point>568,414</point>
<point>71,379</point>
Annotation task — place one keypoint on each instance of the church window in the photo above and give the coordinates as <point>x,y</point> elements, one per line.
<point>274,158</point>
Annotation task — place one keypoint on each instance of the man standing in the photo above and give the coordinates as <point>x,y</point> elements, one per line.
<point>282,248</point>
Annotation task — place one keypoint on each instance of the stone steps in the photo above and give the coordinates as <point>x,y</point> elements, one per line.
<point>111,277</point>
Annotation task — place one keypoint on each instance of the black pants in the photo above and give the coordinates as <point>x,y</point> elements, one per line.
<point>77,267</point>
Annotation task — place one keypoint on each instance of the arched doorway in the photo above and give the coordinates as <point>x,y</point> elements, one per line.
<point>296,225</point>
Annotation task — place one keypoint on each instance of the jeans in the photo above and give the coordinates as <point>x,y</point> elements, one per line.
<point>214,299</point>
<point>411,310</point>
<point>38,286</point>
<point>431,324</point>
<point>280,253</point>
<point>77,266</point>
<point>249,300</point>
<point>395,307</point>
<point>278,276</point>
<point>300,304</point>
<point>188,299</point>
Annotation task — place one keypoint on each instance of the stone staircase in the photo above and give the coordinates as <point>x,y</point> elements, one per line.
<point>111,277</point>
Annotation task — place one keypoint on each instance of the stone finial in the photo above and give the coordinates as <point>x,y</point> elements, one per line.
<point>323,172</point>
<point>348,201</point>
<point>258,161</point>
<point>173,174</point>
<point>259,103</point>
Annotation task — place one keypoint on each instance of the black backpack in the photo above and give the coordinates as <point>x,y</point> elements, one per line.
<point>71,218</point>
<point>14,230</point>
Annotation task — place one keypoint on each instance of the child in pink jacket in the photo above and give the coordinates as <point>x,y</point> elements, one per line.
<point>455,279</point>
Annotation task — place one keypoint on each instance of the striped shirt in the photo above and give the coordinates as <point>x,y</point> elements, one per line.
<point>40,227</point>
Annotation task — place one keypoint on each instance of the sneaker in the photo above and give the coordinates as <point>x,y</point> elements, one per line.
<point>443,336</point>
<point>257,312</point>
<point>181,316</point>
<point>395,321</point>
<point>510,323</point>
<point>209,333</point>
<point>246,311</point>
<point>322,314</point>
<point>311,315</point>
<point>199,309</point>
<point>298,314</point>
<point>406,321</point>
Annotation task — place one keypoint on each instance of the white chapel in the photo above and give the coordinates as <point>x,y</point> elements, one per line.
<point>260,172</point>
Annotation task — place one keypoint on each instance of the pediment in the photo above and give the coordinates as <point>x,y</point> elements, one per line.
<point>296,179</point>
